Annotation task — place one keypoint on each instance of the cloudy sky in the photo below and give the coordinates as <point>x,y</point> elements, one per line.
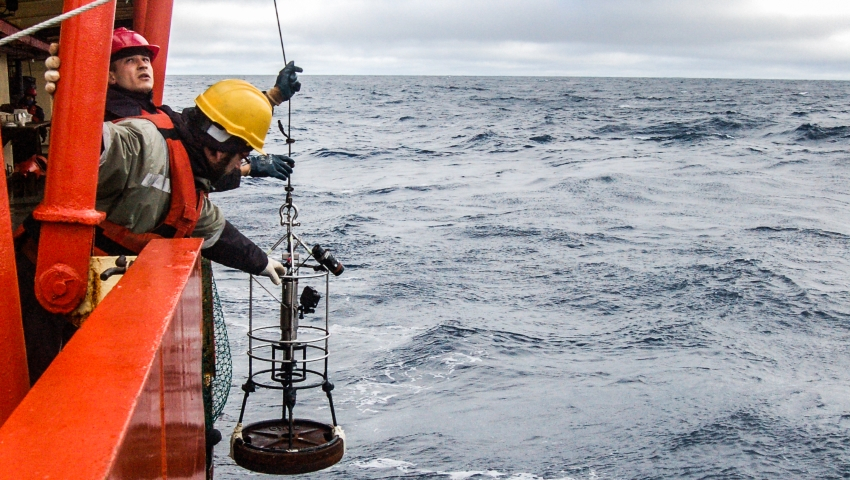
<point>650,38</point>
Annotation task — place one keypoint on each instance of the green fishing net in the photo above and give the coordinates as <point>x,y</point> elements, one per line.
<point>217,364</point>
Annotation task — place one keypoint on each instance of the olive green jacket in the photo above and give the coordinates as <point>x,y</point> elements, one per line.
<point>134,183</point>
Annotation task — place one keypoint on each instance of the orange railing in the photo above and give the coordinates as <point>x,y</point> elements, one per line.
<point>123,399</point>
<point>14,380</point>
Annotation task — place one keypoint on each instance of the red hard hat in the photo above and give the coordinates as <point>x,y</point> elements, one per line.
<point>123,38</point>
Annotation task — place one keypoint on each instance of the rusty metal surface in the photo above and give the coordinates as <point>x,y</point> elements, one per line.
<point>14,380</point>
<point>67,211</point>
<point>123,399</point>
<point>266,447</point>
<point>97,288</point>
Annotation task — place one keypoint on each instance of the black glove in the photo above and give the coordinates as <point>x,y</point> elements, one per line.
<point>277,166</point>
<point>287,81</point>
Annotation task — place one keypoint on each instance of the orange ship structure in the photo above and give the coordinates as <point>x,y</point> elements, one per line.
<point>124,397</point>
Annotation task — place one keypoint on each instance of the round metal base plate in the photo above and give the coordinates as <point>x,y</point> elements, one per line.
<point>265,448</point>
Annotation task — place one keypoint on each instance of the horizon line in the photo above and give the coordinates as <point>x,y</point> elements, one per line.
<point>508,76</point>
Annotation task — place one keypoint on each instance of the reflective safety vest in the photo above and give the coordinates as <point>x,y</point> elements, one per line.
<point>186,201</point>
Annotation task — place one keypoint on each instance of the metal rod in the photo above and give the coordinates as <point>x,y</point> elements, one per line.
<point>304,363</point>
<point>244,404</point>
<point>331,403</point>
<point>303,244</point>
<point>289,130</point>
<point>250,323</point>
<point>327,324</point>
<point>266,289</point>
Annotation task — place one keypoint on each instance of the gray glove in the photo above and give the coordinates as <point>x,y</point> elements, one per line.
<point>287,81</point>
<point>274,270</point>
<point>277,166</point>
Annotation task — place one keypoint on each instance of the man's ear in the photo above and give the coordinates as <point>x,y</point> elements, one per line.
<point>112,79</point>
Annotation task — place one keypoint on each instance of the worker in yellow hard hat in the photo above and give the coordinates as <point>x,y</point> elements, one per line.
<point>182,152</point>
<point>155,172</point>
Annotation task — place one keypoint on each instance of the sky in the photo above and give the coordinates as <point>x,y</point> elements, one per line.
<point>797,39</point>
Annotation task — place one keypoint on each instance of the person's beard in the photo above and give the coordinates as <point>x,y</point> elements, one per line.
<point>220,168</point>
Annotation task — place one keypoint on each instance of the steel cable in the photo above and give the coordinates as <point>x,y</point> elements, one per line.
<point>52,21</point>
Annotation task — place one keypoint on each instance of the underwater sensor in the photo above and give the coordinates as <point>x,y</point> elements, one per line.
<point>287,357</point>
<point>327,260</point>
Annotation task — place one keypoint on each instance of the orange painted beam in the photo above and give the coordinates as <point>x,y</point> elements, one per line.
<point>67,213</point>
<point>140,10</point>
<point>14,381</point>
<point>124,398</point>
<point>157,31</point>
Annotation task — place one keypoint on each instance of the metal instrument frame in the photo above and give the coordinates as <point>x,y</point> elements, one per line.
<point>290,363</point>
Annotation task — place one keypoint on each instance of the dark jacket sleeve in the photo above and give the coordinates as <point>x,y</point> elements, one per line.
<point>235,250</point>
<point>229,181</point>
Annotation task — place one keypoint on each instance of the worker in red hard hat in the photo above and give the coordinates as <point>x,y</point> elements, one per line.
<point>130,94</point>
<point>130,91</point>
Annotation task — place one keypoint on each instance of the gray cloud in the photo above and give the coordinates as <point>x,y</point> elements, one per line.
<point>721,38</point>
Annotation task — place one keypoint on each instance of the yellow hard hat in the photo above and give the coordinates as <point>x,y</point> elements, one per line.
<point>240,108</point>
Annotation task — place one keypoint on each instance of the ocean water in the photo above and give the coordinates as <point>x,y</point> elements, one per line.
<point>568,278</point>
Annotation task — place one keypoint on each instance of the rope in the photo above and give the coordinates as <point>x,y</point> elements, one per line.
<point>279,31</point>
<point>52,21</point>
<point>289,113</point>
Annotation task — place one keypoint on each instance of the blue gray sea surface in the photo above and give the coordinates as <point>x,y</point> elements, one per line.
<point>567,278</point>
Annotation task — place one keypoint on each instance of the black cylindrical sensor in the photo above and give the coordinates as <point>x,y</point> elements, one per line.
<point>327,260</point>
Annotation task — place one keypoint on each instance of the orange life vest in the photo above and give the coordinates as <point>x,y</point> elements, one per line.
<point>186,201</point>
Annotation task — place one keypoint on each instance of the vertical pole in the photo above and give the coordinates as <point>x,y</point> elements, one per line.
<point>140,10</point>
<point>157,31</point>
<point>67,213</point>
<point>14,379</point>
